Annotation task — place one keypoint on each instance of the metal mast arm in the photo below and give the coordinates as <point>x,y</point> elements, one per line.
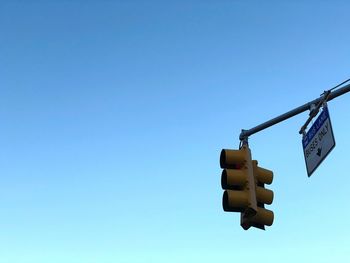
<point>246,133</point>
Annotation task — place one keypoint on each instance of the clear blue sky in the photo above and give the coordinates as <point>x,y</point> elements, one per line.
<point>113,115</point>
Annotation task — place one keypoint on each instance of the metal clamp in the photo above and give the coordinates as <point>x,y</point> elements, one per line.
<point>314,109</point>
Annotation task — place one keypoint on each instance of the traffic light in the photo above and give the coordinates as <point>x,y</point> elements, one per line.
<point>244,184</point>
<point>263,196</point>
<point>237,179</point>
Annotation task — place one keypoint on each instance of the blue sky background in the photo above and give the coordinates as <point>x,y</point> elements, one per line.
<point>113,115</point>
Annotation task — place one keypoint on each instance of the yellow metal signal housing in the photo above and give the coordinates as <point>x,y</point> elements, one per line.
<point>263,217</point>
<point>237,179</point>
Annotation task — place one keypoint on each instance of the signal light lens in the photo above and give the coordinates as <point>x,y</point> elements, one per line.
<point>231,158</point>
<point>234,201</point>
<point>263,216</point>
<point>232,179</point>
<point>263,175</point>
<point>264,195</point>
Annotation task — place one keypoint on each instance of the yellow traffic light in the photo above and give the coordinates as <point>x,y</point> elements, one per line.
<point>237,179</point>
<point>263,196</point>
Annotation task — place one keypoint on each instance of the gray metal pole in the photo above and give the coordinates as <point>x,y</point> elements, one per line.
<point>246,133</point>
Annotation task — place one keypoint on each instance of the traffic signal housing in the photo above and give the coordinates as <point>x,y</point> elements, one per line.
<point>263,217</point>
<point>244,184</point>
<point>237,179</point>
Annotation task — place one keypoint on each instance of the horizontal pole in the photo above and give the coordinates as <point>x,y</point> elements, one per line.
<point>246,133</point>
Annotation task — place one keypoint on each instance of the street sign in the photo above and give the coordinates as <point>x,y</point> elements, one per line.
<point>318,142</point>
